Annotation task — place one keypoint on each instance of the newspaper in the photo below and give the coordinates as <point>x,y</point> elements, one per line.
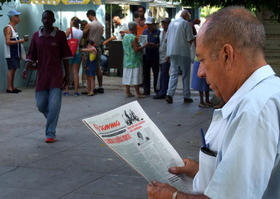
<point>133,136</point>
<point>143,39</point>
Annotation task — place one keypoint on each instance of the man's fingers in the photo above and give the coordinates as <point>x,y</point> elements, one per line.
<point>150,190</point>
<point>178,170</point>
<point>149,187</point>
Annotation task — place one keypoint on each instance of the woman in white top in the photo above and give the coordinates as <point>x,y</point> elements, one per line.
<point>75,62</point>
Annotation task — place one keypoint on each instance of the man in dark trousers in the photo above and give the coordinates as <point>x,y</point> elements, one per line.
<point>151,56</point>
<point>48,49</point>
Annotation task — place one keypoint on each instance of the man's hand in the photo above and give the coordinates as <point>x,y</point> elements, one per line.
<point>160,191</point>
<point>21,41</point>
<point>167,59</point>
<point>24,74</point>
<point>190,168</point>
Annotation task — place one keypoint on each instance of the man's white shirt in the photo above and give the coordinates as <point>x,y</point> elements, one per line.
<point>179,35</point>
<point>245,135</point>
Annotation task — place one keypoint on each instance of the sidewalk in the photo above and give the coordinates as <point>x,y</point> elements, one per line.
<point>78,165</point>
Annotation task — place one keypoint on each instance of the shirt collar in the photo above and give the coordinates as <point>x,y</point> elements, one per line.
<point>52,34</point>
<point>258,76</point>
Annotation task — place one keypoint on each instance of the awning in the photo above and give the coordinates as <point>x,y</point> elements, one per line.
<point>75,2</point>
<point>66,2</point>
<point>130,2</point>
<point>163,3</point>
<point>46,2</point>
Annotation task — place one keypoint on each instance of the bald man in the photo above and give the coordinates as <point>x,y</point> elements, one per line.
<point>119,30</point>
<point>241,149</point>
<point>179,40</point>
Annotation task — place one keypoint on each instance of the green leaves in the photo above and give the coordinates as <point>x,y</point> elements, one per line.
<point>272,5</point>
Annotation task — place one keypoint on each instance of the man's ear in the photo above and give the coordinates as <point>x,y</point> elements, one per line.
<point>227,56</point>
<point>54,20</point>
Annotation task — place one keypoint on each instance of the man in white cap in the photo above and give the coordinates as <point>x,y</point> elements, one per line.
<point>13,50</point>
<point>151,56</point>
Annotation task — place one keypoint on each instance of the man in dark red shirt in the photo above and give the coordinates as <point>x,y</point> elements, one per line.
<point>48,49</point>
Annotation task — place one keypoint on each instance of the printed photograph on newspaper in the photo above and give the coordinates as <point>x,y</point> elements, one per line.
<point>133,136</point>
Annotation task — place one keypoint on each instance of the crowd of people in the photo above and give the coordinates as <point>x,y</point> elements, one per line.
<point>167,52</point>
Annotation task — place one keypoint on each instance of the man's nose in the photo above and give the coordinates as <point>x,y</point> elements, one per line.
<point>201,72</point>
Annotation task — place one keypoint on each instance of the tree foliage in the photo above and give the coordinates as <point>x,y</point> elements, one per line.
<point>272,5</point>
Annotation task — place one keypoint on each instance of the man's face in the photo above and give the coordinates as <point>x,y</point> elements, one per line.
<point>137,19</point>
<point>16,19</point>
<point>116,21</point>
<point>210,67</point>
<point>141,12</point>
<point>47,20</point>
<point>90,18</point>
<point>83,25</point>
<point>165,26</point>
<point>151,27</point>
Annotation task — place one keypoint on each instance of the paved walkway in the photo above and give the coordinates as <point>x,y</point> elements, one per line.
<point>78,165</point>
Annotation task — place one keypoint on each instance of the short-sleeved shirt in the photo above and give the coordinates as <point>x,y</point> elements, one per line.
<point>49,51</point>
<point>140,30</point>
<point>152,53</point>
<point>118,29</point>
<point>77,34</point>
<point>179,35</point>
<point>245,135</point>
<point>162,47</point>
<point>131,58</point>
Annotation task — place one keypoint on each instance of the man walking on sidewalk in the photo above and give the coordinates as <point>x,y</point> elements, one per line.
<point>49,48</point>
<point>179,39</point>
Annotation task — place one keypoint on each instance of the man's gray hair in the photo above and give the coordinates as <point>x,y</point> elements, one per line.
<point>132,26</point>
<point>236,26</point>
<point>185,14</point>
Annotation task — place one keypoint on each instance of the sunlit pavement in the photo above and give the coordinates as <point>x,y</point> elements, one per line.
<point>78,165</point>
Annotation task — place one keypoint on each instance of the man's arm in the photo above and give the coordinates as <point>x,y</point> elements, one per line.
<point>164,191</point>
<point>67,72</point>
<point>136,46</point>
<point>31,58</point>
<point>108,40</point>
<point>89,50</point>
<point>67,32</point>
<point>8,33</point>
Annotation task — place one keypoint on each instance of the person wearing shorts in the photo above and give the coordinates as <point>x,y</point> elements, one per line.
<point>13,49</point>
<point>75,62</point>
<point>90,66</point>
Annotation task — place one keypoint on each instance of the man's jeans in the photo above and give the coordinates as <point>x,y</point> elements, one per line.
<point>164,78</point>
<point>49,103</point>
<point>177,63</point>
<point>148,64</point>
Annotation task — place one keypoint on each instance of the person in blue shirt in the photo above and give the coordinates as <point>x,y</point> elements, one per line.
<point>240,157</point>
<point>151,56</point>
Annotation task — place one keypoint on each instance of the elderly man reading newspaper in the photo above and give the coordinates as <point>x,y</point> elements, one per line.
<point>242,142</point>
